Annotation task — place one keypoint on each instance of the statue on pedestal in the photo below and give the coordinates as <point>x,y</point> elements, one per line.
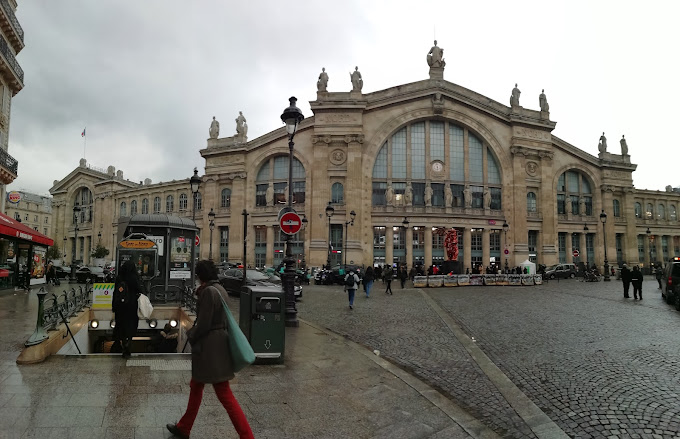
<point>389,195</point>
<point>467,196</point>
<point>448,196</point>
<point>241,126</point>
<point>543,101</point>
<point>357,81</point>
<point>602,146</point>
<point>408,194</point>
<point>435,57</point>
<point>567,204</point>
<point>582,206</point>
<point>269,195</point>
<point>624,146</point>
<point>322,83</point>
<point>214,130</point>
<point>514,97</point>
<point>428,196</point>
<point>487,198</point>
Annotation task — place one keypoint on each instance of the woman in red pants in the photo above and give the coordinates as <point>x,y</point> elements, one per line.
<point>210,360</point>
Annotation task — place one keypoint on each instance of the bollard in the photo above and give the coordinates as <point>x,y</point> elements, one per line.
<point>39,335</point>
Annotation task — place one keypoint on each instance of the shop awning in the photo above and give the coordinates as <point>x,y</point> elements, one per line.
<point>12,227</point>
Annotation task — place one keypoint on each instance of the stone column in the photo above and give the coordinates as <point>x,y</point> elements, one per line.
<point>409,248</point>
<point>548,209</point>
<point>630,238</point>
<point>250,243</point>
<point>486,251</point>
<point>467,249</point>
<point>659,248</point>
<point>428,246</point>
<point>269,259</point>
<point>389,245</point>
<point>582,248</point>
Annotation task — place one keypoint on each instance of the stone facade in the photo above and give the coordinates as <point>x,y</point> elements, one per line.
<point>468,162</point>
<point>34,211</point>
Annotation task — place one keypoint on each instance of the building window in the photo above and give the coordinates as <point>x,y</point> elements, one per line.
<point>562,247</point>
<point>45,232</point>
<point>336,244</point>
<point>183,201</point>
<point>225,198</point>
<point>46,220</point>
<point>157,205</point>
<point>641,247</point>
<point>617,209</point>
<point>84,200</point>
<point>672,214</point>
<point>198,201</point>
<point>378,245</point>
<point>26,218</point>
<point>261,194</point>
<point>133,207</point>
<point>638,210</point>
<point>664,247</point>
<point>650,211</point>
<point>169,204</point>
<point>661,212</point>
<point>619,248</point>
<point>573,187</point>
<point>275,171</point>
<point>467,153</point>
<point>145,206</point>
<point>35,218</point>
<point>123,209</point>
<point>531,202</point>
<point>224,244</point>
<point>260,246</point>
<point>337,193</point>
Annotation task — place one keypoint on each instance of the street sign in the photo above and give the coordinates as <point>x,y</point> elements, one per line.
<point>198,241</point>
<point>575,253</point>
<point>290,223</point>
<point>506,251</point>
<point>137,243</point>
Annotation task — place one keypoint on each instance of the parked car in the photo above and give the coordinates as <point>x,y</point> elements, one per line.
<point>562,271</point>
<point>232,280</point>
<point>276,279</point>
<point>92,274</point>
<point>62,272</point>
<point>670,283</point>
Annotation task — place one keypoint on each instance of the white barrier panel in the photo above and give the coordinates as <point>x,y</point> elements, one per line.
<point>476,279</point>
<point>527,279</point>
<point>502,279</point>
<point>420,281</point>
<point>435,281</point>
<point>463,280</point>
<point>489,279</point>
<point>538,279</point>
<point>451,281</point>
<point>514,279</point>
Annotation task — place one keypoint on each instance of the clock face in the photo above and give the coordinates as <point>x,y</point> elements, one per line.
<point>437,166</point>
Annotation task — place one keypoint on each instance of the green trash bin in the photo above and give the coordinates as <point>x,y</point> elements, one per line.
<point>262,320</point>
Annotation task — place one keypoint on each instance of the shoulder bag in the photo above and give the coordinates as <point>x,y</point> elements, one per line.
<point>144,307</point>
<point>242,353</point>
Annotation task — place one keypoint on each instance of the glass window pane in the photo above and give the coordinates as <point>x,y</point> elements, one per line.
<point>337,193</point>
<point>437,194</point>
<point>263,175</point>
<point>378,196</point>
<point>399,154</point>
<point>456,153</point>
<point>380,166</point>
<point>437,140</point>
<point>225,200</point>
<point>280,167</point>
<point>476,160</point>
<point>477,197</point>
<point>572,182</point>
<point>493,174</point>
<point>298,169</point>
<point>560,184</point>
<point>418,150</point>
<point>585,186</point>
<point>496,198</point>
<point>457,191</point>
<point>531,202</point>
<point>418,194</point>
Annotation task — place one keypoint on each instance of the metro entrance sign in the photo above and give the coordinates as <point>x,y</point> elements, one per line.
<point>290,223</point>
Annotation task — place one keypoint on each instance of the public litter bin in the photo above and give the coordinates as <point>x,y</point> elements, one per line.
<point>262,320</point>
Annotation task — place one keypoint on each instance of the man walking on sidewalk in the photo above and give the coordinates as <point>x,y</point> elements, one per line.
<point>388,273</point>
<point>625,278</point>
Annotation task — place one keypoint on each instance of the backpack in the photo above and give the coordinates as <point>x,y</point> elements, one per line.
<point>349,280</point>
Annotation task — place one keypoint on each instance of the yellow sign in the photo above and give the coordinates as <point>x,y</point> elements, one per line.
<point>102,296</point>
<point>137,243</point>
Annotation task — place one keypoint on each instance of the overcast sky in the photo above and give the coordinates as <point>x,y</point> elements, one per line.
<point>146,77</point>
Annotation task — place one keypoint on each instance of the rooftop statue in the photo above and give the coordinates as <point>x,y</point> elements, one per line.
<point>357,82</point>
<point>543,102</point>
<point>602,146</point>
<point>214,129</point>
<point>322,83</point>
<point>624,146</point>
<point>435,57</point>
<point>514,97</point>
<point>241,125</point>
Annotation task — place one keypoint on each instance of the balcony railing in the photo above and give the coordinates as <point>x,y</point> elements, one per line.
<point>8,162</point>
<point>12,61</point>
<point>9,12</point>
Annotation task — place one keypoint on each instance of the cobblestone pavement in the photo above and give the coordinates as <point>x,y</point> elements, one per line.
<point>597,364</point>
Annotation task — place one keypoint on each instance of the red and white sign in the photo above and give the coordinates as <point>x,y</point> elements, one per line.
<point>506,251</point>
<point>575,253</point>
<point>198,241</point>
<point>12,227</point>
<point>290,223</point>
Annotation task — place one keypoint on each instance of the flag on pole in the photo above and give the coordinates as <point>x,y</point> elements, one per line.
<point>83,133</point>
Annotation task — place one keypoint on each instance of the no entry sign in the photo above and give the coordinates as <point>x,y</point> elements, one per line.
<point>575,253</point>
<point>290,223</point>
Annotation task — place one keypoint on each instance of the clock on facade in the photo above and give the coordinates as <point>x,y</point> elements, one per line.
<point>437,167</point>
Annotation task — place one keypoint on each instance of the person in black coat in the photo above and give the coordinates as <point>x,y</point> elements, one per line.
<point>636,278</point>
<point>625,278</point>
<point>659,274</point>
<point>124,307</point>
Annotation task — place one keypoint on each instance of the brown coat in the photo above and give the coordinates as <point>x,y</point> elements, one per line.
<point>210,358</point>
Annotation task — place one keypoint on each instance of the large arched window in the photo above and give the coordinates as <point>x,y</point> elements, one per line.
<point>661,211</point>
<point>123,209</point>
<point>274,171</point>
<point>531,202</point>
<point>157,205</point>
<point>145,206</point>
<point>574,194</point>
<point>617,208</point>
<point>183,202</point>
<point>169,204</point>
<point>133,207</point>
<point>649,214</point>
<point>672,213</point>
<point>638,210</point>
<point>337,193</point>
<point>452,152</point>
<point>225,199</point>
<point>84,200</point>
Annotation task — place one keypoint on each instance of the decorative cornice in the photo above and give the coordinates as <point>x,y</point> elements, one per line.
<point>325,139</point>
<point>358,138</point>
<point>608,188</point>
<point>531,152</point>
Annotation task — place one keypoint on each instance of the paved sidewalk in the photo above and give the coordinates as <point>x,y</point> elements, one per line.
<point>328,387</point>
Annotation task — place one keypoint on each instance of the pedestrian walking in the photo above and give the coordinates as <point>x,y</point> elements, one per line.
<point>378,272</point>
<point>368,281</point>
<point>659,274</point>
<point>412,273</point>
<point>387,276</point>
<point>636,279</point>
<point>124,306</point>
<point>210,358</point>
<point>403,275</point>
<point>351,285</point>
<point>625,278</point>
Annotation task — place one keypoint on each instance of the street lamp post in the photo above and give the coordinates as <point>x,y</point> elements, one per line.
<point>603,218</point>
<point>292,116</point>
<point>585,232</point>
<point>506,227</point>
<point>405,224</point>
<point>211,216</point>
<point>329,214</point>
<point>195,182</point>
<point>352,215</point>
<point>76,210</point>
<point>304,228</point>
<point>65,241</point>
<point>651,245</point>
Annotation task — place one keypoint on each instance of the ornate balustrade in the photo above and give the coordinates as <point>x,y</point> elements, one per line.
<point>12,19</point>
<point>12,62</point>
